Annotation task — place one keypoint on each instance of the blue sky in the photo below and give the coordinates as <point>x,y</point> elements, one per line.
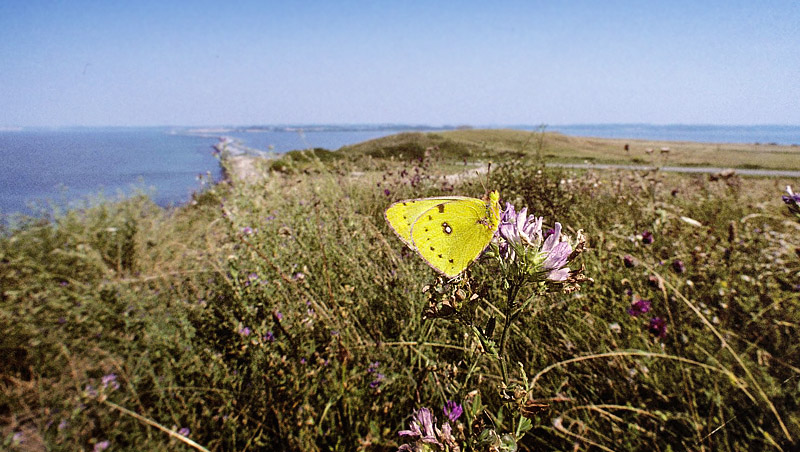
<point>417,62</point>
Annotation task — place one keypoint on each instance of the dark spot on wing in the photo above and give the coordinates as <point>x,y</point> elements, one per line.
<point>432,249</point>
<point>430,218</point>
<point>450,260</point>
<point>441,208</point>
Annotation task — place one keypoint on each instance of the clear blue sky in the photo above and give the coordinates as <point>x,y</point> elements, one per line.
<point>419,62</point>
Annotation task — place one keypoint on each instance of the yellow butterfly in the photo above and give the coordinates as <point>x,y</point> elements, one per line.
<point>449,232</point>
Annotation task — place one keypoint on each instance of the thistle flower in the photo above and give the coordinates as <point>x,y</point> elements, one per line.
<point>647,237</point>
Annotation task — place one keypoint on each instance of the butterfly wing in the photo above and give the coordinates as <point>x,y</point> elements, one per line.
<point>452,234</point>
<point>401,215</point>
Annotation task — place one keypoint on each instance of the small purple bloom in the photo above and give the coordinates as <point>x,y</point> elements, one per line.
<point>18,438</point>
<point>678,266</point>
<point>658,327</point>
<point>386,192</point>
<point>303,361</point>
<point>269,337</point>
<point>101,446</point>
<point>792,200</point>
<point>110,380</point>
<point>63,424</point>
<point>639,307</point>
<point>373,367</point>
<point>63,284</point>
<point>379,377</point>
<point>628,261</point>
<point>277,315</point>
<point>247,230</point>
<point>90,391</point>
<point>452,410</point>
<point>245,331</point>
<point>647,237</point>
<point>184,431</point>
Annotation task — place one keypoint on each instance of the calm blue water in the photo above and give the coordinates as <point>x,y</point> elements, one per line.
<point>65,165</point>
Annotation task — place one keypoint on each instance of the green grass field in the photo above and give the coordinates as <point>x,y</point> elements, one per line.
<point>282,313</point>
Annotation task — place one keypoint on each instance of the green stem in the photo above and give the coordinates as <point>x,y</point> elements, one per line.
<point>512,292</point>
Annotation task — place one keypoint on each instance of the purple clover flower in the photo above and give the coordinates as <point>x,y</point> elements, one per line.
<point>678,266</point>
<point>184,431</point>
<point>247,230</point>
<point>658,327</point>
<point>647,237</point>
<point>269,337</point>
<point>639,307</point>
<point>452,410</point>
<point>373,367</point>
<point>101,446</point>
<point>245,331</point>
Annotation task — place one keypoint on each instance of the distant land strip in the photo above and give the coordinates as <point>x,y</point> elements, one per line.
<point>681,169</point>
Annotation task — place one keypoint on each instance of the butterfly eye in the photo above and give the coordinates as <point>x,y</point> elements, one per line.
<point>446,228</point>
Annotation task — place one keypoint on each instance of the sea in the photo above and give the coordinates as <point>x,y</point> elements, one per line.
<point>46,168</point>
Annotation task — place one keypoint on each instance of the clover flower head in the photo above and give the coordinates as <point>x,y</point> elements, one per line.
<point>423,426</point>
<point>524,249</point>
<point>647,237</point>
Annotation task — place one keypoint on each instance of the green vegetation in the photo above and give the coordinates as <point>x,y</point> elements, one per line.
<point>283,314</point>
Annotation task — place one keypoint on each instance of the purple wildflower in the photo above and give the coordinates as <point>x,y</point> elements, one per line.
<point>678,266</point>
<point>373,367</point>
<point>247,230</point>
<point>386,192</point>
<point>63,424</point>
<point>269,337</point>
<point>639,307</point>
<point>18,438</point>
<point>628,261</point>
<point>184,431</point>
<point>423,426</point>
<point>452,410</point>
<point>379,377</point>
<point>90,391</point>
<point>110,380</point>
<point>245,331</point>
<point>101,446</point>
<point>792,200</point>
<point>303,361</point>
<point>647,237</point>
<point>557,254</point>
<point>658,327</point>
<point>277,315</point>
